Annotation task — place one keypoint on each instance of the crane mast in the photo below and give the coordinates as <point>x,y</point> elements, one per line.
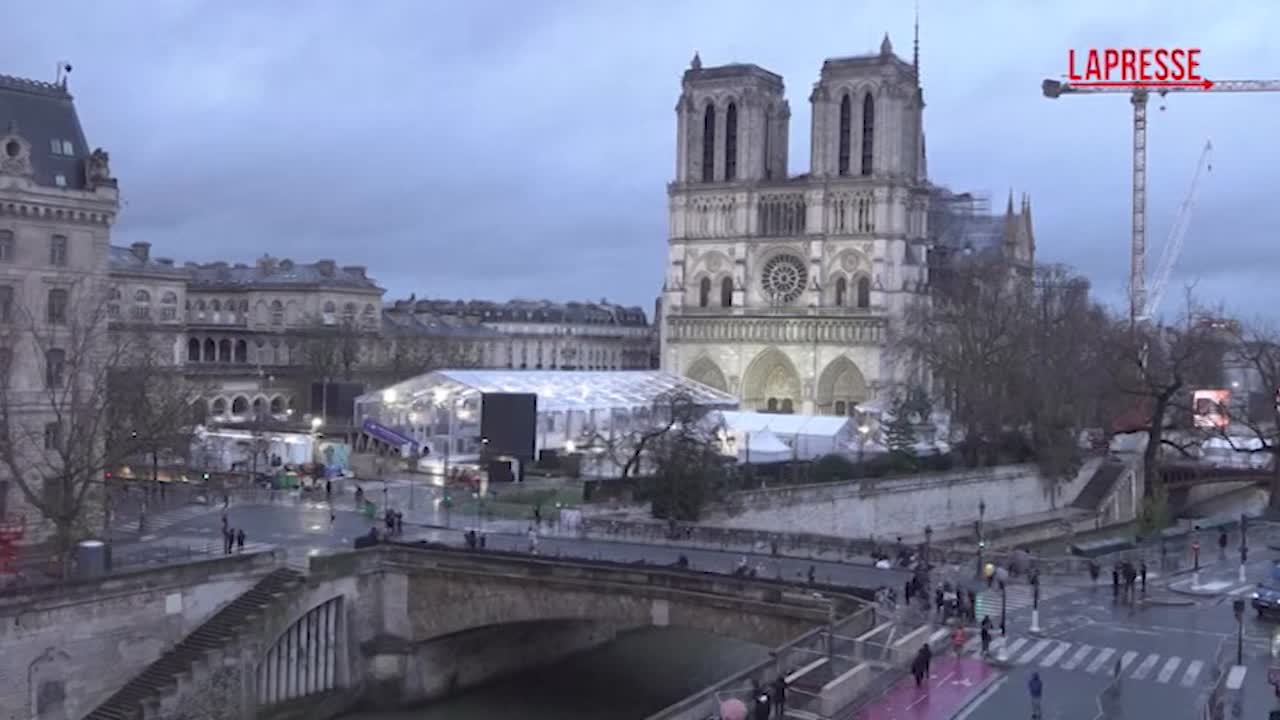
<point>1139,95</point>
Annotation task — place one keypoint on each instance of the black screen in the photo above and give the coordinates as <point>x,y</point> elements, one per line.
<point>508,421</point>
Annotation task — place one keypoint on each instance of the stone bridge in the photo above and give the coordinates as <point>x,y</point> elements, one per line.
<point>399,624</point>
<point>1188,474</point>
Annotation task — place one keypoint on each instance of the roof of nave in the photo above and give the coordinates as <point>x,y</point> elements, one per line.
<point>39,113</point>
<point>279,273</point>
<point>601,313</point>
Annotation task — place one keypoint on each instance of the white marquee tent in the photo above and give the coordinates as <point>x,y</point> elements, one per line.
<point>806,437</point>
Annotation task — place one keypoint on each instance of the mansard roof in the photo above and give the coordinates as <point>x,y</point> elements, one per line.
<point>402,323</point>
<point>533,311</point>
<point>130,261</point>
<point>271,273</point>
<point>39,113</point>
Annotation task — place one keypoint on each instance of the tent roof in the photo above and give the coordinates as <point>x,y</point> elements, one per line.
<point>557,390</point>
<point>812,425</point>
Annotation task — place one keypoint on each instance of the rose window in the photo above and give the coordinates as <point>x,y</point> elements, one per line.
<point>783,278</point>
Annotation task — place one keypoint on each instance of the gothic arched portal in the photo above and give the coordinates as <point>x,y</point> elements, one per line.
<point>705,371</point>
<point>841,385</point>
<point>771,383</point>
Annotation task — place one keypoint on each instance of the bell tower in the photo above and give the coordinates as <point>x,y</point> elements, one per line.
<point>731,125</point>
<point>868,117</point>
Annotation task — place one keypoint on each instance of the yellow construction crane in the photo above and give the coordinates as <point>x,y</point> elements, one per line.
<point>1139,94</point>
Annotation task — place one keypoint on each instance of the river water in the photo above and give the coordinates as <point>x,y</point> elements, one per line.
<point>630,678</point>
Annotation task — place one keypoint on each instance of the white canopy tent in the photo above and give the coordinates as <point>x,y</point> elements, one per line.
<point>807,437</point>
<point>759,447</point>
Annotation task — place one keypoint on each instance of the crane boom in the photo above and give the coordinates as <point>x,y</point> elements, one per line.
<point>1139,94</point>
<point>1173,246</point>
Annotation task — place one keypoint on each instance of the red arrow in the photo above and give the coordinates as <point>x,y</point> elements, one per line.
<point>1203,84</point>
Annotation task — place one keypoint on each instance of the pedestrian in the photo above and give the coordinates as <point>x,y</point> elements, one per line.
<point>927,653</point>
<point>973,605</point>
<point>240,539</point>
<point>533,540</point>
<point>228,537</point>
<point>780,698</point>
<point>1142,574</point>
<point>1115,581</point>
<point>1094,571</point>
<point>917,669</point>
<point>482,540</point>
<point>939,600</point>
<point>328,489</point>
<point>812,574</point>
<point>333,517</point>
<point>1222,545</point>
<point>1037,690</point>
<point>908,591</point>
<point>763,705</point>
<point>986,635</point>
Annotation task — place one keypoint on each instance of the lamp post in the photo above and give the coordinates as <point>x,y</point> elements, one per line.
<point>863,431</point>
<point>982,512</point>
<point>1004,602</point>
<point>1035,601</point>
<point>1244,543</point>
<point>1237,606</point>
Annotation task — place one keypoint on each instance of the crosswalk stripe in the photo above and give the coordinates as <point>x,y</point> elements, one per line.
<point>1011,648</point>
<point>1148,664</point>
<point>1191,673</point>
<point>1074,661</point>
<point>998,643</point>
<point>1103,656</point>
<point>1240,590</point>
<point>1055,655</point>
<point>1127,659</point>
<point>1035,650</point>
<point>1170,667</point>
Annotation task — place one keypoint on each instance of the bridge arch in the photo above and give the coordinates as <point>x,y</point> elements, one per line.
<point>306,658</point>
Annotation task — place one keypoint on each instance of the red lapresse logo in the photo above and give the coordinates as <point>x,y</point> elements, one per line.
<point>1136,67</point>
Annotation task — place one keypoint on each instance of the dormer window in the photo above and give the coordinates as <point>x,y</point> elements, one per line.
<point>58,146</point>
<point>60,180</point>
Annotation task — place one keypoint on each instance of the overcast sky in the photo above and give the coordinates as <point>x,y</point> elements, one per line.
<point>498,148</point>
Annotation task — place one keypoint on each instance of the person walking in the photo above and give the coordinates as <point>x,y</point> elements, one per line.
<point>917,668</point>
<point>1115,581</point>
<point>780,698</point>
<point>1142,575</point>
<point>1036,687</point>
<point>986,635</point>
<point>1094,571</point>
<point>927,653</point>
<point>533,540</point>
<point>1222,545</point>
<point>240,539</point>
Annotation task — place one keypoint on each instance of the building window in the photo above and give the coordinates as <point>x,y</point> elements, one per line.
<point>7,249</point>
<point>277,312</point>
<point>330,313</point>
<point>787,407</point>
<point>731,142</point>
<point>60,180</point>
<point>57,307</point>
<point>193,350</point>
<point>840,407</point>
<point>141,305</point>
<point>864,292</point>
<point>169,306</point>
<point>242,351</point>
<point>709,144</point>
<point>842,290</point>
<point>726,292</point>
<point>868,131</point>
<point>52,436</point>
<point>58,146</point>
<point>6,304</point>
<point>370,315</point>
<point>846,132</point>
<point>704,292</point>
<point>349,314</point>
<point>55,365</point>
<point>58,250</point>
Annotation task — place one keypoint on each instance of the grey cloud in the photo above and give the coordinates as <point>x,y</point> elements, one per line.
<point>497,148</point>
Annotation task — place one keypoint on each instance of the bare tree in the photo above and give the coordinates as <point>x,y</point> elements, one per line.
<point>56,437</point>
<point>1254,353</point>
<point>333,351</point>
<point>1153,369</point>
<point>410,353</point>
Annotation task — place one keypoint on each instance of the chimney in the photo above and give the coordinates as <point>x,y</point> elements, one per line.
<point>326,267</point>
<point>357,270</point>
<point>266,264</point>
<point>141,250</point>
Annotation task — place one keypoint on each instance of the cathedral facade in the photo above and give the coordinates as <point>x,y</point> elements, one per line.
<point>782,289</point>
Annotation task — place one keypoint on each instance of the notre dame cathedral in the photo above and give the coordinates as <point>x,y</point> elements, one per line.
<point>781,289</point>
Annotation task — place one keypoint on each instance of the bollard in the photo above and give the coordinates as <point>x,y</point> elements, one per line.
<point>1195,580</point>
<point>1242,579</point>
<point>1035,621</point>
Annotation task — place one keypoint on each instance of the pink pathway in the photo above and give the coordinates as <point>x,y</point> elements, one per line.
<point>951,684</point>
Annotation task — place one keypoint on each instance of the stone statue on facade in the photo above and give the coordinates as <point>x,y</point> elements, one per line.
<point>98,168</point>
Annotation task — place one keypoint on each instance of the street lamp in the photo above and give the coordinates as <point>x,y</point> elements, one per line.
<point>1244,543</point>
<point>1004,601</point>
<point>982,512</point>
<point>863,431</point>
<point>1237,606</point>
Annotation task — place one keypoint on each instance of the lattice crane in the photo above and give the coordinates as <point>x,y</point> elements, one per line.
<point>1139,96</point>
<point>1177,233</point>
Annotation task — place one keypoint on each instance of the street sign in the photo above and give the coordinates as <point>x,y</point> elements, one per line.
<point>1273,675</point>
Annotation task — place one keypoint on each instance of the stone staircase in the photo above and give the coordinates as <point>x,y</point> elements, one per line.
<point>210,639</point>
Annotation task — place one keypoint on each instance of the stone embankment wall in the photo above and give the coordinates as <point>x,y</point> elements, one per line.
<point>67,648</point>
<point>886,507</point>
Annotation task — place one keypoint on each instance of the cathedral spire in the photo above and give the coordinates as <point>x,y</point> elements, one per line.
<point>1009,210</point>
<point>915,45</point>
<point>696,63</point>
<point>886,47</point>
